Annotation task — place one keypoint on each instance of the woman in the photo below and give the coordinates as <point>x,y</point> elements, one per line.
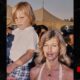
<point>53,49</point>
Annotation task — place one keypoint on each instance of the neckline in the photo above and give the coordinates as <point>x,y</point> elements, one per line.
<point>60,72</point>
<point>27,28</point>
<point>53,68</point>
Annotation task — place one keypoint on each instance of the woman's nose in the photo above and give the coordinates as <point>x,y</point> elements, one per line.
<point>49,48</point>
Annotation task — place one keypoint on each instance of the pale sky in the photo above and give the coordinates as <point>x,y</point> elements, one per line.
<point>60,8</point>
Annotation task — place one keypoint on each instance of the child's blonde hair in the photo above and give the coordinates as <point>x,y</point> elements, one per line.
<point>26,8</point>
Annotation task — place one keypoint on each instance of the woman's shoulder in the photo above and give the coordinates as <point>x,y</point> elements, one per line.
<point>34,72</point>
<point>67,69</point>
<point>68,72</point>
<point>36,68</point>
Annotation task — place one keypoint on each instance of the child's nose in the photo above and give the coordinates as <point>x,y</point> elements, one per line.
<point>18,20</point>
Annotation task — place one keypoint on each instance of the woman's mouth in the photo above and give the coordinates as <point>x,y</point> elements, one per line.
<point>49,54</point>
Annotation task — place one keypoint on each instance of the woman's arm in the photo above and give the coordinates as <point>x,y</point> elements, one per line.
<point>68,73</point>
<point>34,73</point>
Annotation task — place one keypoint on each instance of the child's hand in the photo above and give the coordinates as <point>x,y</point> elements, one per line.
<point>11,67</point>
<point>11,78</point>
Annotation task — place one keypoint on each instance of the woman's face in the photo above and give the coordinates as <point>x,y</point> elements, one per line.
<point>22,20</point>
<point>51,49</point>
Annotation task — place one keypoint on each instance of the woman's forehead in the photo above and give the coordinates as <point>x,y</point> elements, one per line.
<point>52,40</point>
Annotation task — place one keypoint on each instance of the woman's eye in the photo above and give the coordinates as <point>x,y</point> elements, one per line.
<point>54,45</point>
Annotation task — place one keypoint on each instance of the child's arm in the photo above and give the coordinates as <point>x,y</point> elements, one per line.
<point>22,60</point>
<point>26,57</point>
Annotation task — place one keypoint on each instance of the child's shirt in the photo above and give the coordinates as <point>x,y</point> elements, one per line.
<point>23,40</point>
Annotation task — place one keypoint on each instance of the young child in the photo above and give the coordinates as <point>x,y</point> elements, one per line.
<point>53,50</point>
<point>25,42</point>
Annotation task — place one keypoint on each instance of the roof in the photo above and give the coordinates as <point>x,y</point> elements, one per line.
<point>45,17</point>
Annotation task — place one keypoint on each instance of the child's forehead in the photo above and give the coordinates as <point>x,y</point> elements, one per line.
<point>20,12</point>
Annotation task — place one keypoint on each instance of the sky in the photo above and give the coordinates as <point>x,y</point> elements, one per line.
<point>60,8</point>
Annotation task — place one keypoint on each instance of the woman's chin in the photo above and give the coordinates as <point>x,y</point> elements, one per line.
<point>50,58</point>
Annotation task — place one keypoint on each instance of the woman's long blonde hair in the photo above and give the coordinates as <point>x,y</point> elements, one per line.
<point>55,33</point>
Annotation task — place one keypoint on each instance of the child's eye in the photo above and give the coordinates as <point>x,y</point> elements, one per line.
<point>45,45</point>
<point>21,17</point>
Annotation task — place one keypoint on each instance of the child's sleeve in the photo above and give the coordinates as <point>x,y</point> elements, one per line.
<point>33,42</point>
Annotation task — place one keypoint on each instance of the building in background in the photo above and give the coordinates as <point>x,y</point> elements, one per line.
<point>43,17</point>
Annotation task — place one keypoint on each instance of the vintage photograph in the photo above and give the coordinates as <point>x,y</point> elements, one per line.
<point>40,40</point>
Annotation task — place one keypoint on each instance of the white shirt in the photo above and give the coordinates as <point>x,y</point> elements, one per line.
<point>23,40</point>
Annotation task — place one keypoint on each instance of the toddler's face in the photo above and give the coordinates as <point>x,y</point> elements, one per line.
<point>22,20</point>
